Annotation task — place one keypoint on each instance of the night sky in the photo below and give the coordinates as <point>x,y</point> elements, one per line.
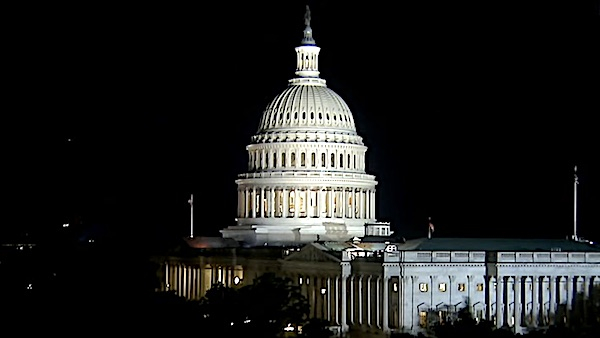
<point>475,113</point>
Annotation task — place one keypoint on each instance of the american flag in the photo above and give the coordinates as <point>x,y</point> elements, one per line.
<point>431,228</point>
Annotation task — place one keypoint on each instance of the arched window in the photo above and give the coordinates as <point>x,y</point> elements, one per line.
<point>323,160</point>
<point>293,164</point>
<point>302,159</point>
<point>283,159</point>
<point>312,159</point>
<point>333,160</point>
<point>341,161</point>
<point>348,162</point>
<point>275,160</point>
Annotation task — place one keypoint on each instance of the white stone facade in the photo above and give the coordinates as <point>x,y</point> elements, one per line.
<point>306,176</point>
<point>412,290</point>
<point>306,185</point>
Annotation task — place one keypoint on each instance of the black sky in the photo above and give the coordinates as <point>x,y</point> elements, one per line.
<point>474,112</point>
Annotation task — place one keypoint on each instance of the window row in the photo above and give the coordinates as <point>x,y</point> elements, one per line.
<point>281,117</point>
<point>261,160</point>
<point>443,287</point>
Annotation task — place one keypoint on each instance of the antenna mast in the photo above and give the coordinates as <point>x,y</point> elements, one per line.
<point>191,202</point>
<point>575,183</point>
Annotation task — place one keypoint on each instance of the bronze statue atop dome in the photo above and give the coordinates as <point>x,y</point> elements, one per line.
<point>307,16</point>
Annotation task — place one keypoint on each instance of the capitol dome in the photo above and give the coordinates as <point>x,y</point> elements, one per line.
<point>306,176</point>
<point>307,111</point>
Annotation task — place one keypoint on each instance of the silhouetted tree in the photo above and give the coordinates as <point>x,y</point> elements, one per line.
<point>271,303</point>
<point>316,328</point>
<point>221,307</point>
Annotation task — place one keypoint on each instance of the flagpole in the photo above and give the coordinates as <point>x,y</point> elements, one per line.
<point>191,202</point>
<point>575,183</point>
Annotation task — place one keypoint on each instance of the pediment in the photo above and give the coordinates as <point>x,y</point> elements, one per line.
<point>311,253</point>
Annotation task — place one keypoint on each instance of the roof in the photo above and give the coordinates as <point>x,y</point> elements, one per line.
<point>496,244</point>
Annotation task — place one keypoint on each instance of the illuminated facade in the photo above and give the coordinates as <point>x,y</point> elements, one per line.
<point>306,211</point>
<point>306,174</point>
<point>371,286</point>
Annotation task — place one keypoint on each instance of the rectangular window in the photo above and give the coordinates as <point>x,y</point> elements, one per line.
<point>423,319</point>
<point>423,287</point>
<point>442,287</point>
<point>479,286</point>
<point>461,287</point>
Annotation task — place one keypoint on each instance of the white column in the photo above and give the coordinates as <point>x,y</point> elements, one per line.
<point>286,204</point>
<point>272,202</point>
<point>177,279</point>
<point>401,297</point>
<point>517,304</point>
<point>499,301</point>
<point>253,203</point>
<point>315,210</point>
<point>553,300</point>
<point>356,203</point>
<point>262,202</point>
<point>352,301</point>
<point>330,213</point>
<point>378,302</point>
<point>360,300</point>
<point>344,323</point>
<point>367,204</point>
<point>338,320</point>
<point>490,300</point>
<point>369,317</point>
<point>359,203</point>
<point>373,204</point>
<point>184,282</point>
<point>246,201</point>
<point>239,200</point>
<point>307,197</point>
<point>296,202</point>
<point>535,298</point>
<point>385,299</point>
<point>329,299</point>
<point>571,280</point>
<point>587,285</point>
<point>167,277</point>
<point>344,202</point>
